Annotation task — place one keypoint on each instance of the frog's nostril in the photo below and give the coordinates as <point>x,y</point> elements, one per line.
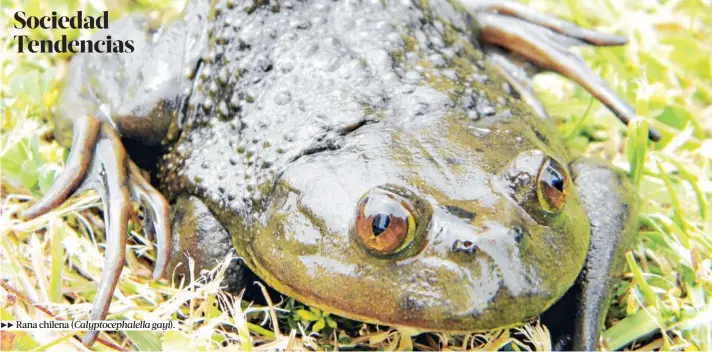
<point>464,246</point>
<point>460,213</point>
<point>518,232</point>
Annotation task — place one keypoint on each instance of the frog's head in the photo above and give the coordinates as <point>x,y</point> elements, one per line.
<point>432,224</point>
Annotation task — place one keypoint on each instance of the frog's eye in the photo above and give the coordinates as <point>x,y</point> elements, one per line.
<point>552,186</point>
<point>385,224</point>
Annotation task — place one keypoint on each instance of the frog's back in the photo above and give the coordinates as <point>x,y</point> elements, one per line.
<point>281,82</point>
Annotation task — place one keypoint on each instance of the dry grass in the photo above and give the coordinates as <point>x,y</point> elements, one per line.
<point>50,265</point>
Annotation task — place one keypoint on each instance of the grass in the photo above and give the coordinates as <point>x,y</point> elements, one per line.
<point>50,265</point>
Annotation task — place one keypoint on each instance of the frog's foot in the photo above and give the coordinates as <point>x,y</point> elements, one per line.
<point>517,77</point>
<point>544,41</point>
<point>98,161</point>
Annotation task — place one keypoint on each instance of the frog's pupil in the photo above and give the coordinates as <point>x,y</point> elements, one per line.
<point>555,180</point>
<point>380,223</point>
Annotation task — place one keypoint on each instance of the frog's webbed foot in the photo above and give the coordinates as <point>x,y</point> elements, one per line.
<point>98,161</point>
<point>544,41</point>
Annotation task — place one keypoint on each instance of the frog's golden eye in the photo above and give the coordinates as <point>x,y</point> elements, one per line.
<point>384,223</point>
<point>552,186</point>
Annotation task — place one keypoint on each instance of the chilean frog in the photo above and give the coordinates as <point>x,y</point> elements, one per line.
<point>387,161</point>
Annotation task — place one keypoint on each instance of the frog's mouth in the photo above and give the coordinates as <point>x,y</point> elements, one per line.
<point>423,267</point>
<point>430,230</point>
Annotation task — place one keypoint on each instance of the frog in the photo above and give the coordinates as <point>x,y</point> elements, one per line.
<point>386,161</point>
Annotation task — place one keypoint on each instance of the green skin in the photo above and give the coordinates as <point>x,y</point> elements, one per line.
<point>487,248</point>
<point>505,281</point>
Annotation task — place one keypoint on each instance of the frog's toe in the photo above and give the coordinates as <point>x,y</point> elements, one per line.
<point>568,29</point>
<point>108,174</point>
<point>85,132</point>
<point>518,78</point>
<point>157,215</point>
<point>544,41</point>
<point>119,181</point>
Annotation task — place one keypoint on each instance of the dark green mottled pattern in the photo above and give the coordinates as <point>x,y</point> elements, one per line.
<point>299,111</point>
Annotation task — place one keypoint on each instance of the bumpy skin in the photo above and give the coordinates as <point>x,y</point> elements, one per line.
<point>322,102</point>
<point>290,114</point>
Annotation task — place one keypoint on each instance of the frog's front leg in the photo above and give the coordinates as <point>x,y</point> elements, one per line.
<point>199,236</point>
<point>612,206</point>
<point>544,41</point>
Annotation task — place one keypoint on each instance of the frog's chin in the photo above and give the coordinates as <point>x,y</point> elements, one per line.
<point>403,329</point>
